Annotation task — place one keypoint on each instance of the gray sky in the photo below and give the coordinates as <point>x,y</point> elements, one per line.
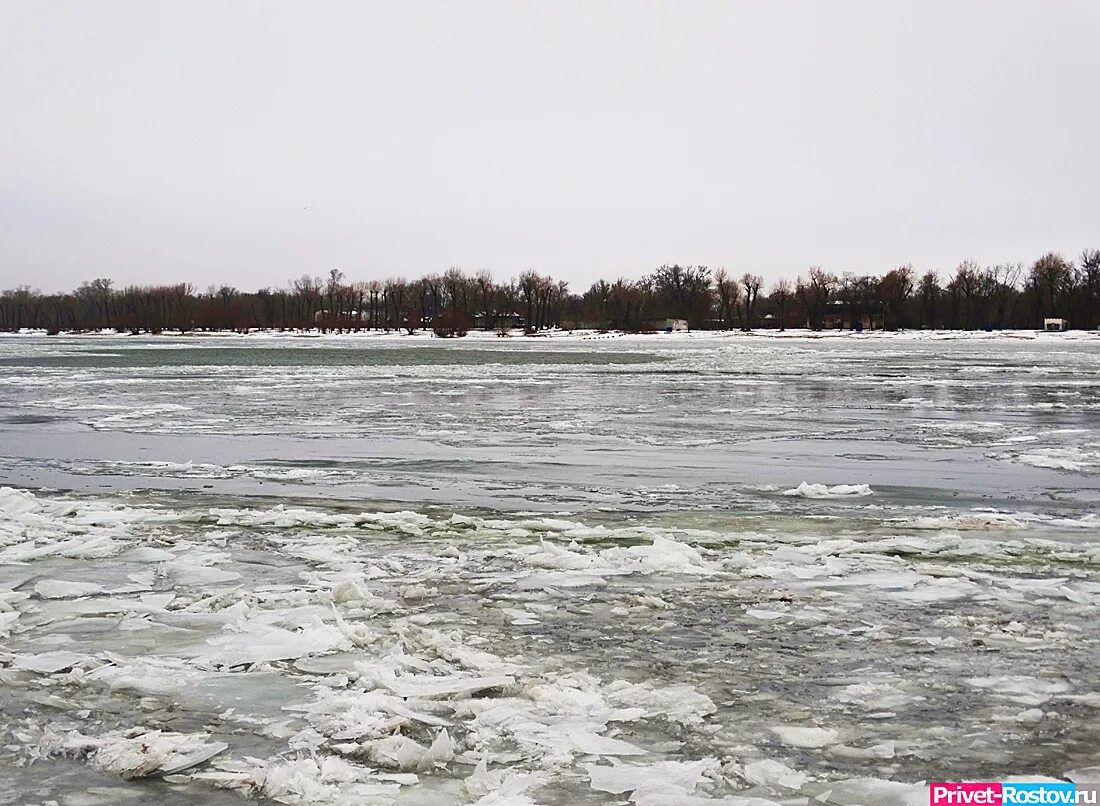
<point>249,142</point>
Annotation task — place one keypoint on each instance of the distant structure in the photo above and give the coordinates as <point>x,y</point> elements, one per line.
<point>840,316</point>
<point>676,326</point>
<point>487,321</point>
<point>324,315</point>
<point>1053,325</point>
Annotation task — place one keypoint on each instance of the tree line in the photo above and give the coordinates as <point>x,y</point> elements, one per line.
<point>1003,296</point>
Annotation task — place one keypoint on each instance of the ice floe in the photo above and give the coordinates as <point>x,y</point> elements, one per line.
<point>136,752</point>
<point>805,737</point>
<point>807,490</point>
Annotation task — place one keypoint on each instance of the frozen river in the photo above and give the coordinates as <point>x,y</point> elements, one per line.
<point>681,569</point>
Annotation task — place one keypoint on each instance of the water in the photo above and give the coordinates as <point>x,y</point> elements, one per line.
<point>740,565</point>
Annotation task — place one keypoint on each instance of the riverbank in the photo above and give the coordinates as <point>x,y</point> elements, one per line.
<point>589,335</point>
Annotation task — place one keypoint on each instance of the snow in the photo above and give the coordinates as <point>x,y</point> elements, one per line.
<point>193,339</point>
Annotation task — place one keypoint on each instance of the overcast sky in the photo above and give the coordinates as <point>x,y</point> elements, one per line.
<point>251,142</point>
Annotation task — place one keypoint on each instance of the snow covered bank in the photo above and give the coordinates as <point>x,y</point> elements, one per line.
<point>588,334</point>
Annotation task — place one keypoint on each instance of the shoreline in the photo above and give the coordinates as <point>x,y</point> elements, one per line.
<point>584,335</point>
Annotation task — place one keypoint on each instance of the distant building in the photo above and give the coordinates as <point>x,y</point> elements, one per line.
<point>1055,325</point>
<point>676,326</point>
<point>839,316</point>
<point>485,321</point>
<point>324,315</point>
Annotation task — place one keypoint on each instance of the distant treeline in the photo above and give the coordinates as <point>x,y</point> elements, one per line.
<point>973,297</point>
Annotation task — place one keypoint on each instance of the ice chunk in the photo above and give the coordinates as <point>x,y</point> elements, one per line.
<point>806,490</point>
<point>146,554</point>
<point>762,614</point>
<point>665,555</point>
<point>808,738</point>
<point>877,695</point>
<point>440,753</point>
<point>396,751</point>
<point>63,589</point>
<point>150,752</point>
<point>353,714</point>
<point>1021,688</point>
<point>562,579</point>
<point>150,676</point>
<point>48,662</point>
<point>138,752</point>
<point>595,745</point>
<point>501,787</point>
<point>323,780</point>
<point>257,642</point>
<point>767,772</point>
<point>187,756</point>
<point>862,791</point>
<point>883,750</point>
<point>678,703</point>
<point>550,555</point>
<point>428,686</point>
<point>576,568</point>
<point>349,590</point>
<point>664,778</point>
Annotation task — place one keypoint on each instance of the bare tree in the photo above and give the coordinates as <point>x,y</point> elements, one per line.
<point>397,295</point>
<point>596,302</point>
<point>1004,295</point>
<point>929,292</point>
<point>814,293</point>
<point>1003,281</point>
<point>98,294</point>
<point>894,289</point>
<point>782,292</point>
<point>1048,275</point>
<point>728,293</point>
<point>751,283</point>
<point>684,291</point>
<point>964,288</point>
<point>487,291</point>
<point>1089,267</point>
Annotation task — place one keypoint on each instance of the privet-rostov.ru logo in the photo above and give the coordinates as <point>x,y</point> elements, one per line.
<point>998,794</point>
